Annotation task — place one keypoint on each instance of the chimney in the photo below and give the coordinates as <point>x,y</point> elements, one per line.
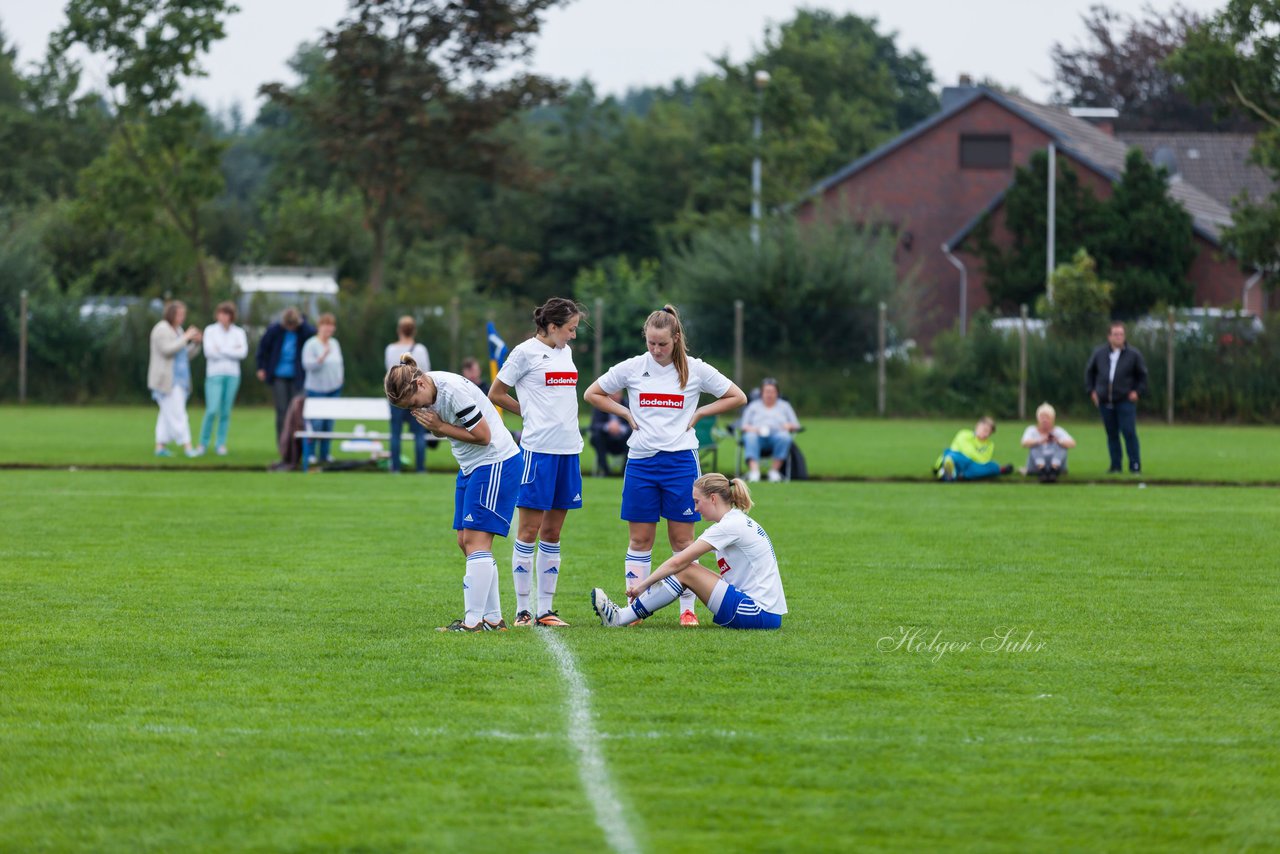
<point>1103,118</point>
<point>952,95</point>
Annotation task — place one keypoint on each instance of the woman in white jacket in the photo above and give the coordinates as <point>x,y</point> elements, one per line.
<point>225,344</point>
<point>169,377</point>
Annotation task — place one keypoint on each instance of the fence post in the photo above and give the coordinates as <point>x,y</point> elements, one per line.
<point>1022,363</point>
<point>455,323</point>
<point>737,342</point>
<point>22,348</point>
<point>880,345</point>
<point>1169,357</point>
<point>598,308</point>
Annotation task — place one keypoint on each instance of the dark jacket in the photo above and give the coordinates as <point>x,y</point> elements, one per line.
<point>1131,374</point>
<point>271,343</point>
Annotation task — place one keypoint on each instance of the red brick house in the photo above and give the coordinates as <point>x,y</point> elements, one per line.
<point>936,181</point>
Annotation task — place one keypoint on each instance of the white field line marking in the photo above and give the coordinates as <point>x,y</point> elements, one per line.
<point>591,767</point>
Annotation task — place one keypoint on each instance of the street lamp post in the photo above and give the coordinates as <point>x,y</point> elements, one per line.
<point>757,128</point>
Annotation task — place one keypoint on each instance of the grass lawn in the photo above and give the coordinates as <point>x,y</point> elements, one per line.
<point>834,448</point>
<point>230,660</point>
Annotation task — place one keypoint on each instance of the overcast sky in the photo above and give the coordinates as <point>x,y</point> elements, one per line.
<point>629,43</point>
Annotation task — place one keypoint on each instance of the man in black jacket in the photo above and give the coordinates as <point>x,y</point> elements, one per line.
<point>1115,378</point>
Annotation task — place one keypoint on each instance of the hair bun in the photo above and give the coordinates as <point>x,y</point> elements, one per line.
<point>407,359</point>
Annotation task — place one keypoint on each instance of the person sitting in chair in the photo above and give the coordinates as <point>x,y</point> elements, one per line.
<point>767,425</point>
<point>609,434</point>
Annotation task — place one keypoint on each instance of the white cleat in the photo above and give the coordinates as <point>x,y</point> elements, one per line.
<point>604,608</point>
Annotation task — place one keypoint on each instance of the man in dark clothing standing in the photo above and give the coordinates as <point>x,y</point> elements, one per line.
<point>1115,378</point>
<point>280,359</point>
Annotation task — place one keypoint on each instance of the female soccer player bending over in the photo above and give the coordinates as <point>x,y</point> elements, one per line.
<point>747,593</point>
<point>453,407</point>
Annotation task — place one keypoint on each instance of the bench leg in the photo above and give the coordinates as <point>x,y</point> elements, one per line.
<point>306,454</point>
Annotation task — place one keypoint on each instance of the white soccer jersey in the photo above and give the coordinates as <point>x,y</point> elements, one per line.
<point>661,409</point>
<point>460,402</point>
<point>744,554</point>
<point>546,383</point>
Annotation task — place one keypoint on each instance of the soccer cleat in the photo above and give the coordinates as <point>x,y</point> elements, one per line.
<point>948,469</point>
<point>604,608</point>
<point>552,619</point>
<point>459,626</point>
<point>500,626</point>
<point>1006,469</point>
<point>523,620</point>
<point>688,618</point>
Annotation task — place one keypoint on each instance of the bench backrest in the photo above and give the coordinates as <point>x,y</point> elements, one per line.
<point>347,408</point>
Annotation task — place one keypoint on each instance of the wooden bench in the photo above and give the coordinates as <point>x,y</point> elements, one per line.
<point>371,409</point>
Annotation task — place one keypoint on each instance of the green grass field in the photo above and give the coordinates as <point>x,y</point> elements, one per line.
<point>229,660</point>
<point>835,448</point>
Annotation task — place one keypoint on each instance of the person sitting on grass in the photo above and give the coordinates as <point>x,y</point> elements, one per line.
<point>1047,445</point>
<point>970,454</point>
<point>747,591</point>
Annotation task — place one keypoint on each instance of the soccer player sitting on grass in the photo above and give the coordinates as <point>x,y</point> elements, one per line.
<point>747,592</point>
<point>969,457</point>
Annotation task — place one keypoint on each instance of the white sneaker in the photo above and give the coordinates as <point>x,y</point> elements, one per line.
<point>221,451</point>
<point>775,476</point>
<point>604,608</point>
<point>195,452</point>
<point>753,476</point>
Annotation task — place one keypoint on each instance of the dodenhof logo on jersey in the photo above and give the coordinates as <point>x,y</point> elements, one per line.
<point>662,401</point>
<point>562,378</point>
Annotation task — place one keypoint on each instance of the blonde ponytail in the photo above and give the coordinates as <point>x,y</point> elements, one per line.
<point>401,380</point>
<point>732,492</point>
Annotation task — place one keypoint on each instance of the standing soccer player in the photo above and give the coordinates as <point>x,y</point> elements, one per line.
<point>452,407</point>
<point>663,387</point>
<point>542,372</point>
<point>747,591</point>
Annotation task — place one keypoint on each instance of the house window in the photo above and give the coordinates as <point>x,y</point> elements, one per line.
<point>986,151</point>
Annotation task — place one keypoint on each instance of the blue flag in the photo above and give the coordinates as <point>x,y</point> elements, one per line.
<point>497,352</point>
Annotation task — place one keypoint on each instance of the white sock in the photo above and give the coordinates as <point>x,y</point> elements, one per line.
<point>475,586</point>
<point>655,597</point>
<point>521,570</point>
<point>686,600</point>
<point>638,564</point>
<point>548,574</point>
<point>493,602</point>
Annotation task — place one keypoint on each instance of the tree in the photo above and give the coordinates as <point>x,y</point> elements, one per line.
<point>1015,276</point>
<point>1081,300</point>
<point>164,148</point>
<point>810,290</point>
<point>1123,65</point>
<point>1148,246</point>
<point>1141,238</point>
<point>407,98</point>
<point>1233,62</point>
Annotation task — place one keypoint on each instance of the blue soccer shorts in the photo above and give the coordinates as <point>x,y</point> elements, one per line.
<point>550,482</point>
<point>660,486</point>
<point>739,611</point>
<point>486,499</point>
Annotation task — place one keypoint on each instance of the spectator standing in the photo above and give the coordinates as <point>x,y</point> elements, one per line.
<point>280,360</point>
<point>169,377</point>
<point>767,425</point>
<point>471,370</point>
<point>405,343</point>
<point>225,345</point>
<point>1115,378</point>
<point>322,360</point>
<point>1047,445</point>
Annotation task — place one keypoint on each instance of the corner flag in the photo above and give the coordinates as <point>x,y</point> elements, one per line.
<point>497,352</point>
